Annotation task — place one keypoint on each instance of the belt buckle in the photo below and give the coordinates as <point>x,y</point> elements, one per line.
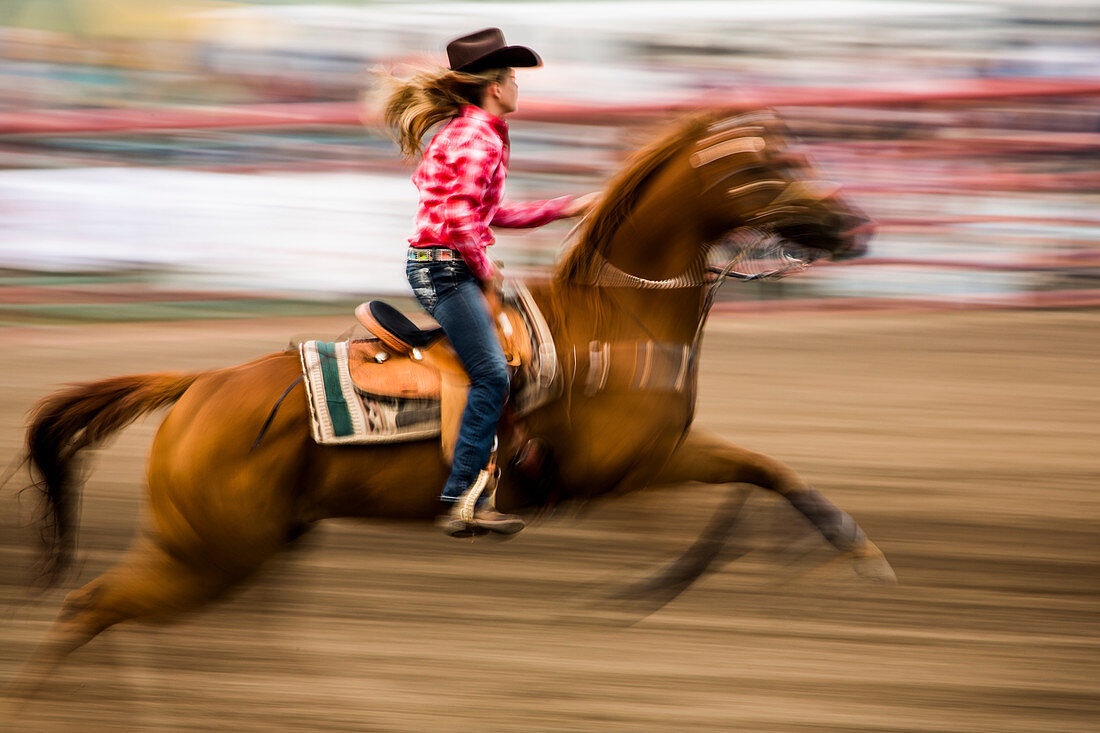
<point>417,254</point>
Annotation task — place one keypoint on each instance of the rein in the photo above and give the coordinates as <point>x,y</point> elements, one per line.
<point>748,245</point>
<point>609,276</point>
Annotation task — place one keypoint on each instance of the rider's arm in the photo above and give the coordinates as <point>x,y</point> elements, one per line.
<point>530,213</point>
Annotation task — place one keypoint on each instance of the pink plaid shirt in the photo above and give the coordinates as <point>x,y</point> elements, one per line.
<point>461,184</point>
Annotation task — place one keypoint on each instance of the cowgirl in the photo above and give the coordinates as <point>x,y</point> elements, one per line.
<point>460,178</point>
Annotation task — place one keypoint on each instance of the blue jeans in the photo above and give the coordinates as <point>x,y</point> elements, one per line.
<point>452,295</point>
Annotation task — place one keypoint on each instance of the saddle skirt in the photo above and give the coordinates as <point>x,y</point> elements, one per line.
<point>385,390</point>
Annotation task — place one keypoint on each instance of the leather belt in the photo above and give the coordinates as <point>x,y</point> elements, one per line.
<point>433,254</point>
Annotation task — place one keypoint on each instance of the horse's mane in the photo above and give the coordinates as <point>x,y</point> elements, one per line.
<point>623,192</point>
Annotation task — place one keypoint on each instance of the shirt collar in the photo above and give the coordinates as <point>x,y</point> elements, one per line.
<point>477,113</point>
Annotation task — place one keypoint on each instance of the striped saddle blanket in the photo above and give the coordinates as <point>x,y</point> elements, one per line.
<point>341,414</point>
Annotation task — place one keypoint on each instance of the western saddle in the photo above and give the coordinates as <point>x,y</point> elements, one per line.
<point>418,363</point>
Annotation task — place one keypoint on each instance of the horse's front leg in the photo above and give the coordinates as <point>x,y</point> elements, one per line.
<point>708,459</point>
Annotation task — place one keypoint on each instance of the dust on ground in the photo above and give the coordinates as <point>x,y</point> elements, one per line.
<point>965,444</point>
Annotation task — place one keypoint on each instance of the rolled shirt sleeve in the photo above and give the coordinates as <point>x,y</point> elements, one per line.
<point>530,213</point>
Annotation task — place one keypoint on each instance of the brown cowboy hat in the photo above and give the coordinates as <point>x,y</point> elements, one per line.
<point>485,50</point>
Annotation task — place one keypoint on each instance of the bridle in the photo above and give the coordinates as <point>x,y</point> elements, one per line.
<point>774,257</point>
<point>757,252</point>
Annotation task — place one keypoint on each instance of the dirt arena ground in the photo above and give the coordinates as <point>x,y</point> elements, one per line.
<point>967,445</point>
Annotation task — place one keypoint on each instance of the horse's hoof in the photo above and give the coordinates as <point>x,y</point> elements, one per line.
<point>871,565</point>
<point>863,564</point>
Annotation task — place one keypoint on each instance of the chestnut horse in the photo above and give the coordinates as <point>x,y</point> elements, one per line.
<point>637,281</point>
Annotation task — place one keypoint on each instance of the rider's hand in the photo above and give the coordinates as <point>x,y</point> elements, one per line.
<point>493,287</point>
<point>582,204</point>
<point>495,283</point>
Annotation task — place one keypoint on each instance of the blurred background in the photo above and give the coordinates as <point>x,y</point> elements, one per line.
<point>183,158</point>
<point>186,184</point>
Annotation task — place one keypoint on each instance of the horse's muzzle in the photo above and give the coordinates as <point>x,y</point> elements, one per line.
<point>856,235</point>
<point>858,240</point>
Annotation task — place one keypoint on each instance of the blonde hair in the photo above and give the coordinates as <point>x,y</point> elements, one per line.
<point>411,107</point>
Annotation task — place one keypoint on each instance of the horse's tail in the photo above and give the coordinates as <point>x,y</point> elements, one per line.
<point>71,420</point>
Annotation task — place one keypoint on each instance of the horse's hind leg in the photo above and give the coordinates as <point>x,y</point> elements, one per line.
<point>709,459</point>
<point>148,585</point>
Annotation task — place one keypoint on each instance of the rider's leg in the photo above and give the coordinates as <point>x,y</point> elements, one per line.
<point>463,313</point>
<point>459,306</point>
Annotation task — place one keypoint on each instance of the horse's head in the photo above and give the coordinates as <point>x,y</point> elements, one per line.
<point>749,178</point>
<point>712,181</point>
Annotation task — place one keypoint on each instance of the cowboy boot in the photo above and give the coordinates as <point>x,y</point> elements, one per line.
<point>474,514</point>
